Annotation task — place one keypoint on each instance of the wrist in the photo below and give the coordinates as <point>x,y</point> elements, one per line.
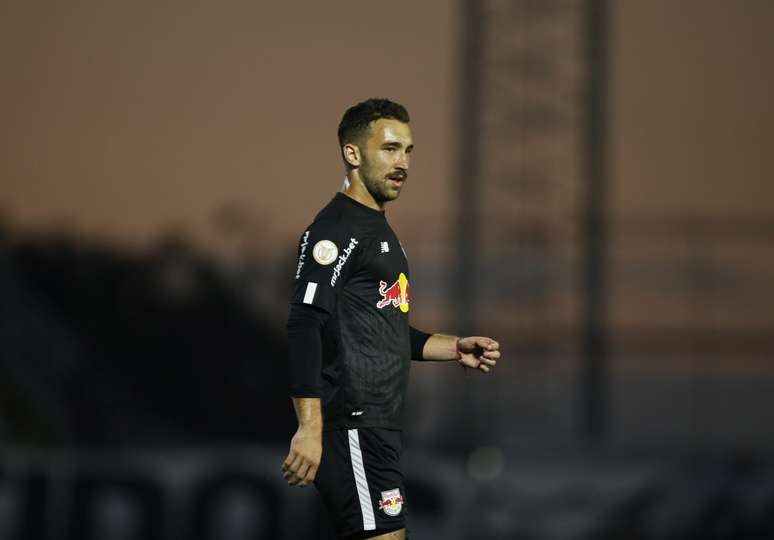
<point>311,429</point>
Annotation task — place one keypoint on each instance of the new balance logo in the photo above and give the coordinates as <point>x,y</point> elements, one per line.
<point>385,247</point>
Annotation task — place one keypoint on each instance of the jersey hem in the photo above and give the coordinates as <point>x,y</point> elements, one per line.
<point>340,425</point>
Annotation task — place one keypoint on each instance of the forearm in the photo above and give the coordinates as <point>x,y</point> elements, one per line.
<point>308,413</point>
<point>440,348</point>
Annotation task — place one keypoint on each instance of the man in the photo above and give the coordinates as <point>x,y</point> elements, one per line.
<point>350,343</point>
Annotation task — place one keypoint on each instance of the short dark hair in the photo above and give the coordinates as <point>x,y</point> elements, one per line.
<point>355,121</point>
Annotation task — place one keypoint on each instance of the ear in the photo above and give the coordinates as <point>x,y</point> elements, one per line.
<point>351,154</point>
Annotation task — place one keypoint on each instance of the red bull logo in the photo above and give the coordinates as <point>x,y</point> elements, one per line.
<point>397,294</point>
<point>391,502</point>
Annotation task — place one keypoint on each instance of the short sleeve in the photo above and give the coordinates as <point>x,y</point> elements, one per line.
<point>327,254</point>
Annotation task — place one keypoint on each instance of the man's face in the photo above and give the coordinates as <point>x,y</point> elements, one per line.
<point>385,158</point>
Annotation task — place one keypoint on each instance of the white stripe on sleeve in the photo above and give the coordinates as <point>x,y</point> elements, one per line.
<point>311,288</point>
<point>369,522</point>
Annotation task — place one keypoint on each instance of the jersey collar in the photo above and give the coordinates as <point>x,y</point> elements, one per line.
<point>349,200</point>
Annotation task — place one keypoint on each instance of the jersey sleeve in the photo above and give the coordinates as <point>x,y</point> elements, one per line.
<point>418,339</point>
<point>327,255</point>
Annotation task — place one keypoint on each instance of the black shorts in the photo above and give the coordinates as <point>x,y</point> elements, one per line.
<point>361,481</point>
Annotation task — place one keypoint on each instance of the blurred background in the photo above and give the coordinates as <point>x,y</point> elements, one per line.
<point>592,185</point>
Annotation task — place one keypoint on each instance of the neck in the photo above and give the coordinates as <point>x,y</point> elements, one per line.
<point>360,193</point>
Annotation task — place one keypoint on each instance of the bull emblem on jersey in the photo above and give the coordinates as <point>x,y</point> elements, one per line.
<point>397,294</point>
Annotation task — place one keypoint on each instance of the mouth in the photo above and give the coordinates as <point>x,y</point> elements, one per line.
<point>395,182</point>
<point>396,179</point>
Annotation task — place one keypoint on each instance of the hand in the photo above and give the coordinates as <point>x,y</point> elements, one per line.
<point>478,352</point>
<point>300,467</point>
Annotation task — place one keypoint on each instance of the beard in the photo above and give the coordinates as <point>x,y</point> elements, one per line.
<point>380,191</point>
<point>379,187</point>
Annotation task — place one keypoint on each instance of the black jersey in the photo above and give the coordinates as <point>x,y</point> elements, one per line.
<point>351,264</point>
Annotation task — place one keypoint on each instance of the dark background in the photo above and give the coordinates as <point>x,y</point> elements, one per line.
<point>591,186</point>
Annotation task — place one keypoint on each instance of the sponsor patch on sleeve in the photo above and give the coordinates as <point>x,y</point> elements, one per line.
<point>325,252</point>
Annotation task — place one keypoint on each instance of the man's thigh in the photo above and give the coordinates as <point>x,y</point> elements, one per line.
<point>361,482</point>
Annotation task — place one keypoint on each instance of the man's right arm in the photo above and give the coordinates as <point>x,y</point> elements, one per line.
<point>314,298</point>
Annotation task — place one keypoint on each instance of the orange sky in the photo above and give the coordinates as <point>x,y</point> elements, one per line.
<point>122,120</point>
<point>692,125</point>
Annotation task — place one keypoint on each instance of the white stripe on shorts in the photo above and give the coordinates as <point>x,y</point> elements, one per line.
<point>369,523</point>
<point>311,288</point>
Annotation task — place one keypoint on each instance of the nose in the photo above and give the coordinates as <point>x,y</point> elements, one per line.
<point>403,161</point>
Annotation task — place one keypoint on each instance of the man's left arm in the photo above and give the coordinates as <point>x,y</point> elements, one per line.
<point>475,352</point>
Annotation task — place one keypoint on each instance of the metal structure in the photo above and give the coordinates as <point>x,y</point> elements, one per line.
<point>531,194</point>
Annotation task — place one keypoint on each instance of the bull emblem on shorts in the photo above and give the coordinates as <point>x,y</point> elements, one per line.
<point>391,502</point>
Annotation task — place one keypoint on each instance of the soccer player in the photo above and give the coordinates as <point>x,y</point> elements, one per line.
<point>350,343</point>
